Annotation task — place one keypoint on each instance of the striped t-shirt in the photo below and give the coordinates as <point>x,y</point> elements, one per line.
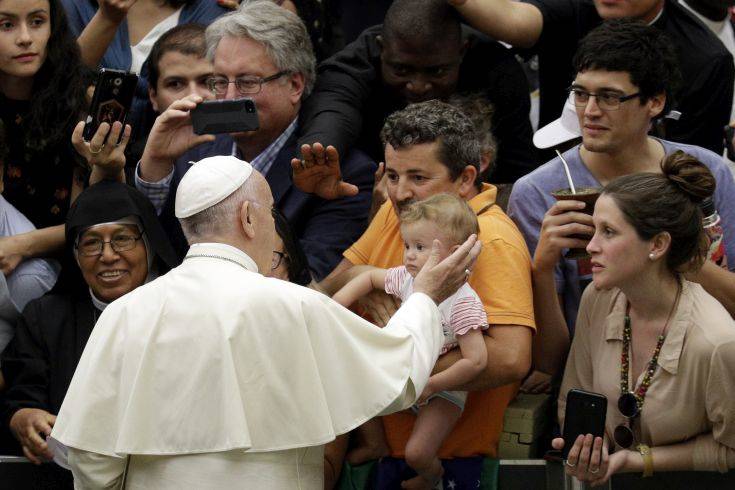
<point>460,313</point>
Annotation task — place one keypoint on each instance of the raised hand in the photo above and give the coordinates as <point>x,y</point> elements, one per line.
<point>318,172</point>
<point>380,190</point>
<point>171,136</point>
<point>115,10</point>
<point>102,152</point>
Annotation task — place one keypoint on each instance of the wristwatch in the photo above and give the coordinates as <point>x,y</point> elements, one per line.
<point>647,459</point>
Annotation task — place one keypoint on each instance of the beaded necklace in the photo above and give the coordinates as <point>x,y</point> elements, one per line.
<point>640,392</point>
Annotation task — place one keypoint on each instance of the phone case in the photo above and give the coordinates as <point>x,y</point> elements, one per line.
<point>585,414</point>
<point>113,96</point>
<point>225,116</point>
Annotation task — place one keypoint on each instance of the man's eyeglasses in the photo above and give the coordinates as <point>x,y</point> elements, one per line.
<point>608,101</point>
<point>246,85</point>
<point>91,247</point>
<point>277,259</point>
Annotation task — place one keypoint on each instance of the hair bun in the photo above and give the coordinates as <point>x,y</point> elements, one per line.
<point>689,175</point>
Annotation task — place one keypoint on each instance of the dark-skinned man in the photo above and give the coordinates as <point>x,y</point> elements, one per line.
<point>420,52</point>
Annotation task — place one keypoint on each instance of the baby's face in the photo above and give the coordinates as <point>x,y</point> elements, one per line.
<point>417,241</point>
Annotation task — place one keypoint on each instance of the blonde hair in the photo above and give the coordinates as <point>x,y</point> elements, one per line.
<point>448,212</point>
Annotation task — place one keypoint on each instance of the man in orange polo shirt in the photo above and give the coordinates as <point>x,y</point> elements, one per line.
<point>430,148</point>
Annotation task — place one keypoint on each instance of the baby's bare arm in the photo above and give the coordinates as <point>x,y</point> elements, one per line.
<point>360,286</point>
<point>472,363</point>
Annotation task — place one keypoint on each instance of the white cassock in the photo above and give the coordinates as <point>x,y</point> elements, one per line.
<point>215,377</point>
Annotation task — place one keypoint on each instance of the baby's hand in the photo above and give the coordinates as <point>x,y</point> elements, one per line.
<point>426,394</point>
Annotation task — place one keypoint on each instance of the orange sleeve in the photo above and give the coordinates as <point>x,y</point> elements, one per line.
<point>359,252</point>
<point>502,279</point>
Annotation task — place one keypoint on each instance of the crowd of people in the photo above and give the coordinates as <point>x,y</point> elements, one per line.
<point>394,171</point>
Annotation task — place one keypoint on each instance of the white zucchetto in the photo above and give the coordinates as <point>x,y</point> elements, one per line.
<point>209,182</point>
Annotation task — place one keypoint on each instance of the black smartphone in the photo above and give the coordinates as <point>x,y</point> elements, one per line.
<point>585,414</point>
<point>113,95</point>
<point>225,116</point>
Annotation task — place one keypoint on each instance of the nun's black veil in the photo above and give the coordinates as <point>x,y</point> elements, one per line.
<point>109,201</point>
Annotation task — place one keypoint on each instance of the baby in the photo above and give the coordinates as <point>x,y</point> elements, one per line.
<point>450,220</point>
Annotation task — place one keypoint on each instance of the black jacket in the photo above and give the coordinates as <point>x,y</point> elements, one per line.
<point>349,103</point>
<point>40,361</point>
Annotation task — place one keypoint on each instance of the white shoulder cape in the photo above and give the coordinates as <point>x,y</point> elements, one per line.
<point>212,357</point>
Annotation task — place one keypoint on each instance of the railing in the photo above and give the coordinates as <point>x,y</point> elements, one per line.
<point>523,474</point>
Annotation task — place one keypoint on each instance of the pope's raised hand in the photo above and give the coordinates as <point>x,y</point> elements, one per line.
<point>440,280</point>
<point>318,172</point>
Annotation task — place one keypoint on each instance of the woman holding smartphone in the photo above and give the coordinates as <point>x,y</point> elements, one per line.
<point>660,348</point>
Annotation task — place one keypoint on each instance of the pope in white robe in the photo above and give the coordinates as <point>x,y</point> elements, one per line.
<point>214,376</point>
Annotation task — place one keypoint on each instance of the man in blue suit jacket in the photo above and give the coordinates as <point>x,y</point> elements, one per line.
<point>262,52</point>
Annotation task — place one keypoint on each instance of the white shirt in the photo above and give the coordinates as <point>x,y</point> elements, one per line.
<point>141,50</point>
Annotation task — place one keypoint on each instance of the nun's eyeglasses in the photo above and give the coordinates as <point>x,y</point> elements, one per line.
<point>91,247</point>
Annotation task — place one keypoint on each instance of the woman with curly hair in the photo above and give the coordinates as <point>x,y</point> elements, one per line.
<point>42,96</point>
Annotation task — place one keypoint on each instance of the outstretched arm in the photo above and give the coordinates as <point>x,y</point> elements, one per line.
<point>361,285</point>
<point>99,33</point>
<point>516,23</point>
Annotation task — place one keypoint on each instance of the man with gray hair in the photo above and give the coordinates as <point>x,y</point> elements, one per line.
<point>262,52</point>
<point>214,376</point>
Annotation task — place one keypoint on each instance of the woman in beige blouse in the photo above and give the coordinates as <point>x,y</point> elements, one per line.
<point>680,402</point>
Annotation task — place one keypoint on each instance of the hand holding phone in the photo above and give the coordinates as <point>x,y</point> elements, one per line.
<point>113,96</point>
<point>170,137</point>
<point>585,414</point>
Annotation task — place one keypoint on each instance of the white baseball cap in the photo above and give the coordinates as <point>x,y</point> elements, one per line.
<point>559,131</point>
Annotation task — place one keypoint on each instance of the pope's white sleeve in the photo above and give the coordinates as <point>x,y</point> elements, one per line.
<point>95,471</point>
<point>420,317</point>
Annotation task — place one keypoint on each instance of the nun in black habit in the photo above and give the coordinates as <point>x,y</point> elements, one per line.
<point>114,235</point>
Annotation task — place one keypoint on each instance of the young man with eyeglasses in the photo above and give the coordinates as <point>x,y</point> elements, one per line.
<point>553,29</point>
<point>625,75</point>
<point>262,52</point>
